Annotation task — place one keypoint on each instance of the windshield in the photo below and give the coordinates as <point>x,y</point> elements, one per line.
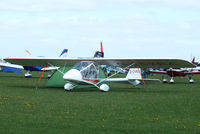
<point>83,64</point>
<point>88,70</point>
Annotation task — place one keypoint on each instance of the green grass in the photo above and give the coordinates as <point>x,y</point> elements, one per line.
<point>153,109</point>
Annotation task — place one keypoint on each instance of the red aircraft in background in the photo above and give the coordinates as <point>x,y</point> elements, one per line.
<point>183,72</point>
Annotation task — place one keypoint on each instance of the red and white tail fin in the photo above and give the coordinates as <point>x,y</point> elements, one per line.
<point>99,54</point>
<point>134,74</point>
<point>193,60</point>
<point>101,47</point>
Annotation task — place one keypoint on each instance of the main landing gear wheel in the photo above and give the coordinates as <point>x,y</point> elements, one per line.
<point>49,76</point>
<point>191,81</point>
<point>164,80</point>
<point>27,75</point>
<point>104,88</point>
<point>171,81</point>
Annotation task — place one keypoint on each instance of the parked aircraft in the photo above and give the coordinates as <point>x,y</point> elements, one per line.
<point>181,72</point>
<point>87,71</point>
<point>32,68</point>
<point>177,73</point>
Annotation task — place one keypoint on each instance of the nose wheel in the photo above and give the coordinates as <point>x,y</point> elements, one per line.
<point>104,88</point>
<point>27,75</point>
<point>68,87</point>
<point>49,76</point>
<point>164,80</point>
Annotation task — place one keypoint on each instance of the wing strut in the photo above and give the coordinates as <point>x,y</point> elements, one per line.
<point>114,74</point>
<point>42,75</point>
<point>142,77</point>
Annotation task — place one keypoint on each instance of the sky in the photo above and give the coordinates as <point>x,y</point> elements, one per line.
<point>127,28</point>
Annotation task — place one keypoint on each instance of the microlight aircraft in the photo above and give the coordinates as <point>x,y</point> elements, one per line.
<point>86,71</point>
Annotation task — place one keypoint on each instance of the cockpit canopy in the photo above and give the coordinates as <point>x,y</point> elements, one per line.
<point>81,65</point>
<point>88,69</point>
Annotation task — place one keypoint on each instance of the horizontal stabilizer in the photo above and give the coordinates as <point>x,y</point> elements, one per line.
<point>152,81</point>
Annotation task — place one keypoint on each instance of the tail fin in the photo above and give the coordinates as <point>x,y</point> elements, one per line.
<point>28,52</point>
<point>99,54</point>
<point>193,61</point>
<point>134,74</point>
<point>134,77</point>
<point>101,47</point>
<point>64,52</point>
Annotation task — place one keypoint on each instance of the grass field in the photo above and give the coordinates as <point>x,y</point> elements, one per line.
<point>154,109</point>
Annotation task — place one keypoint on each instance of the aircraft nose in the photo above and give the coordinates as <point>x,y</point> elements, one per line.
<point>72,74</point>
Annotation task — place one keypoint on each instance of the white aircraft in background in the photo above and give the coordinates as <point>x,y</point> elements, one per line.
<point>87,71</point>
<point>6,64</point>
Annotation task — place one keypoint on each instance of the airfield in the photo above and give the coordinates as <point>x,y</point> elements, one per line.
<point>151,109</point>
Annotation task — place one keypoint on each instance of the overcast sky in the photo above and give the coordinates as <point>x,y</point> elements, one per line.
<point>128,28</point>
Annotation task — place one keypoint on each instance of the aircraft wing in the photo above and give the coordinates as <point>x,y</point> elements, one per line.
<point>121,62</point>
